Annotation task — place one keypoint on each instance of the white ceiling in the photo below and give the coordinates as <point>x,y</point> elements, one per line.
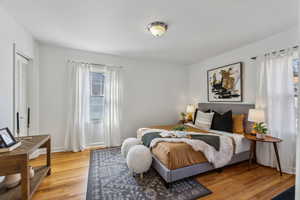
<point>197,28</point>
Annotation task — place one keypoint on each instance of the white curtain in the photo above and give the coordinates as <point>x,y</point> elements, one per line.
<point>276,95</point>
<point>113,99</point>
<point>79,125</point>
<point>78,102</point>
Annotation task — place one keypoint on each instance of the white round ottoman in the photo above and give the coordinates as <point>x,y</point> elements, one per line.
<point>139,159</point>
<point>127,144</point>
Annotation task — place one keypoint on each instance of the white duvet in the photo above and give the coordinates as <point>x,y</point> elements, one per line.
<point>241,143</point>
<point>217,158</point>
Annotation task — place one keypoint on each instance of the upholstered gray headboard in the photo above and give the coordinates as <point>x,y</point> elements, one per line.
<point>222,107</point>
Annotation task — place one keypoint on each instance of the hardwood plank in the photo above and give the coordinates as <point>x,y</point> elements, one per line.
<point>70,170</point>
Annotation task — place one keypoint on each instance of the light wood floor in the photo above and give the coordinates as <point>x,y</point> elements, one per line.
<point>69,179</point>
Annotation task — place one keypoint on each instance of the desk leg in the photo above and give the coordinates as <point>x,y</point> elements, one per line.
<point>277,157</point>
<point>25,179</point>
<point>48,146</point>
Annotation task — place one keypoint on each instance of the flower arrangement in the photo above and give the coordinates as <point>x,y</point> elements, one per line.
<point>260,128</point>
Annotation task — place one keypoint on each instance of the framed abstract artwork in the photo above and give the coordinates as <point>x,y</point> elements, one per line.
<point>224,84</point>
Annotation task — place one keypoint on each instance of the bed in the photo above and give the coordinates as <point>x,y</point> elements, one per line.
<point>175,161</point>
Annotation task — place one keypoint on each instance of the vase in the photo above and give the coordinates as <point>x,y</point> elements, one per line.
<point>260,136</point>
<point>2,179</point>
<point>12,181</point>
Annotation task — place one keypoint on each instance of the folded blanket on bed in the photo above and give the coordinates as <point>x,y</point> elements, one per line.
<point>217,158</point>
<point>147,138</point>
<point>212,140</point>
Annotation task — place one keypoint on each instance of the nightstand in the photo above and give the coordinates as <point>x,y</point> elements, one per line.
<point>267,139</point>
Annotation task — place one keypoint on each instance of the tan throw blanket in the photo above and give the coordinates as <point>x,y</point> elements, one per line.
<point>217,158</point>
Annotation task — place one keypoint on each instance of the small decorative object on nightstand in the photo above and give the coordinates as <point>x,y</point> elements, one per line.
<point>267,139</point>
<point>261,130</point>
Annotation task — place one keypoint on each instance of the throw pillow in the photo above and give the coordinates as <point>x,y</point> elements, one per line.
<point>195,114</point>
<point>203,120</point>
<point>222,122</point>
<point>238,123</point>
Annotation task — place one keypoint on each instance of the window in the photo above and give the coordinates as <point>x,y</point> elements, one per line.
<point>97,95</point>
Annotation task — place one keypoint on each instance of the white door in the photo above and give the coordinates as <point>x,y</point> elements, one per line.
<point>21,101</point>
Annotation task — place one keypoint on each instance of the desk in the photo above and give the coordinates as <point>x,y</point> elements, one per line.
<point>17,161</point>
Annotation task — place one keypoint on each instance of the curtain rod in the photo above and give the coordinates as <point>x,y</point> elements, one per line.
<point>97,64</point>
<point>295,47</point>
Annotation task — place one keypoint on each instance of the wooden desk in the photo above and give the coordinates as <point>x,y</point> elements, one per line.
<point>267,139</point>
<point>17,161</point>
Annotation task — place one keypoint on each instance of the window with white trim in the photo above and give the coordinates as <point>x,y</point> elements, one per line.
<point>97,81</point>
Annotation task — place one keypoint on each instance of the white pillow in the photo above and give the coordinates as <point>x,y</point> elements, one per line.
<point>204,120</point>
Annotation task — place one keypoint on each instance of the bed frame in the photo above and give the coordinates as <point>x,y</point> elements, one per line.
<point>174,175</point>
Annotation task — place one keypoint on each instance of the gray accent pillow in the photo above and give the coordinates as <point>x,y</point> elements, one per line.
<point>203,120</point>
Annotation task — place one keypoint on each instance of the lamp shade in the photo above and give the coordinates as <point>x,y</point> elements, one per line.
<point>190,108</point>
<point>256,115</point>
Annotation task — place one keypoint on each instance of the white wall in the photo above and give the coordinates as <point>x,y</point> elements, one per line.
<point>10,32</point>
<point>154,93</point>
<point>198,72</point>
<point>297,191</point>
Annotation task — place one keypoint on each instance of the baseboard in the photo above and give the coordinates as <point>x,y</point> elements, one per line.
<point>97,144</point>
<point>42,151</point>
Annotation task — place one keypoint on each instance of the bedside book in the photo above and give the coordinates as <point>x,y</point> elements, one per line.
<point>11,148</point>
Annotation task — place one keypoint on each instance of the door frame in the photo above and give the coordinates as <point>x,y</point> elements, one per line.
<point>17,52</point>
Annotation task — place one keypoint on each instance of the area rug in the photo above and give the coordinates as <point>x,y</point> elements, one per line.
<point>289,194</point>
<point>110,179</point>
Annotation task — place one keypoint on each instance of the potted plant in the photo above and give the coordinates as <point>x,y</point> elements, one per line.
<point>260,129</point>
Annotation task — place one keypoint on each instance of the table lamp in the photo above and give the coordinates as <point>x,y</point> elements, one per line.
<point>190,109</point>
<point>256,116</point>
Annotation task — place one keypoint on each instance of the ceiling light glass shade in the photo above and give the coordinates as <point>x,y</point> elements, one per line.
<point>157,28</point>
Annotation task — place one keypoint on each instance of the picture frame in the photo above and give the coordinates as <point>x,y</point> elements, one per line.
<point>7,138</point>
<point>225,84</point>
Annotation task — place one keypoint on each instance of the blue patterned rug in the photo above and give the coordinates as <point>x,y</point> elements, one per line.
<point>110,179</point>
<point>289,194</point>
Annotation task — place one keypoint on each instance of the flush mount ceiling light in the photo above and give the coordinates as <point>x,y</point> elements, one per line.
<point>157,29</point>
